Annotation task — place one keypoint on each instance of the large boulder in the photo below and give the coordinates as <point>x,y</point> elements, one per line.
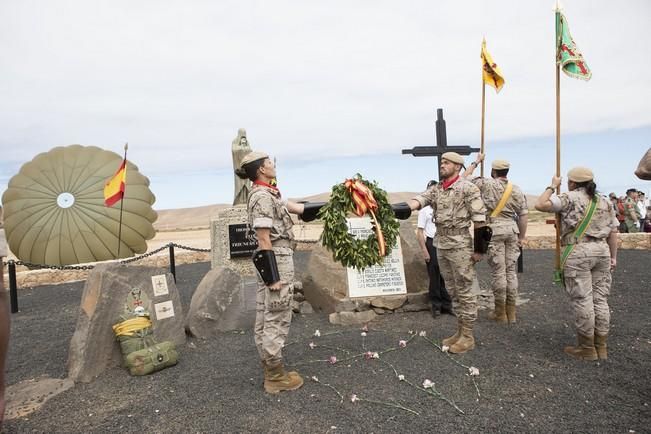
<point>416,275</point>
<point>325,281</point>
<point>223,301</point>
<point>110,291</point>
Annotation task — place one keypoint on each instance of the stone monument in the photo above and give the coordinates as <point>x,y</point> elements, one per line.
<point>239,148</point>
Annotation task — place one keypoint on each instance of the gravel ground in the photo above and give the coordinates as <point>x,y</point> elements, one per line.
<point>525,382</point>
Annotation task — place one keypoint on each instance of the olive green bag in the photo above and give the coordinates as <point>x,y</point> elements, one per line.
<point>152,358</point>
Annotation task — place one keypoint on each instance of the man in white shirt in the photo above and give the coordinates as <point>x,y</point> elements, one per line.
<point>438,294</point>
<point>641,209</point>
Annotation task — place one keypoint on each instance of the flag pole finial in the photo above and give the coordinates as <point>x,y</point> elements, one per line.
<point>126,146</point>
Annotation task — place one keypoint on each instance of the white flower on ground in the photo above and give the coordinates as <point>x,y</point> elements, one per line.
<point>402,343</point>
<point>428,384</point>
<point>411,332</point>
<point>363,334</point>
<point>474,372</point>
<point>315,378</point>
<point>445,348</point>
<point>312,345</point>
<point>317,333</point>
<point>422,333</point>
<point>375,355</point>
<point>401,377</point>
<point>353,398</point>
<point>332,360</point>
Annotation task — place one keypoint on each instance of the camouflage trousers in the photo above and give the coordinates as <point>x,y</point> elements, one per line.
<point>631,226</point>
<point>273,310</point>
<point>503,253</point>
<point>587,282</point>
<point>458,271</point>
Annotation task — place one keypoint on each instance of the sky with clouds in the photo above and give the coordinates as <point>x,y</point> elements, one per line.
<point>329,88</point>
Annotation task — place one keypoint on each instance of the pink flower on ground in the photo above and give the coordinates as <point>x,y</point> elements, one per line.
<point>312,345</point>
<point>365,328</point>
<point>332,360</point>
<point>368,355</point>
<point>427,384</point>
<point>353,398</point>
<point>402,343</point>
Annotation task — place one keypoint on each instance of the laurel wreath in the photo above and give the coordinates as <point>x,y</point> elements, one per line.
<point>345,248</point>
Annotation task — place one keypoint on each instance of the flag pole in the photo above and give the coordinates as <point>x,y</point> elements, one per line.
<point>558,137</point>
<point>126,146</point>
<point>483,111</point>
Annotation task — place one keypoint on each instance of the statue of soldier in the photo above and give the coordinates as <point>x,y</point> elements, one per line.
<point>239,148</point>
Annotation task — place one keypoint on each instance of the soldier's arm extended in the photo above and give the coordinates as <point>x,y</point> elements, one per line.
<point>544,202</point>
<point>471,168</point>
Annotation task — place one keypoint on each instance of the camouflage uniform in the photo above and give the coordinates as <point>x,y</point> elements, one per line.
<point>273,308</point>
<point>503,251</point>
<point>631,215</point>
<point>587,269</point>
<point>454,209</point>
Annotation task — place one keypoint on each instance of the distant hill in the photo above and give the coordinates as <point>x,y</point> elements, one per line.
<point>199,217</point>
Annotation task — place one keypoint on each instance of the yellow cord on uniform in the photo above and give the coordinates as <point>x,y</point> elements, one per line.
<point>130,326</point>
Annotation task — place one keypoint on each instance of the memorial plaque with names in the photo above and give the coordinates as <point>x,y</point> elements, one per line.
<point>241,241</point>
<point>378,280</point>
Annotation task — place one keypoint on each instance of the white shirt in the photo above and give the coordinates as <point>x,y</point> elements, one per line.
<point>426,221</point>
<point>641,209</point>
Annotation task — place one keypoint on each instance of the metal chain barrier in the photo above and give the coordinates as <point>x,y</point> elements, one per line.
<point>12,267</point>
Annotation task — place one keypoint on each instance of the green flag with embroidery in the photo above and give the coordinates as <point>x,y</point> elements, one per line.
<point>568,55</point>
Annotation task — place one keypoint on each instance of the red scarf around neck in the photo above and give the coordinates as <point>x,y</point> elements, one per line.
<point>269,186</point>
<point>448,182</point>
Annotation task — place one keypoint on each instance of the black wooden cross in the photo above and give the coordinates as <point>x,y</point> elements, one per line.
<point>441,144</point>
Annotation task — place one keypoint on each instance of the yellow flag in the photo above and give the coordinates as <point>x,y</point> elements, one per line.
<point>490,71</point>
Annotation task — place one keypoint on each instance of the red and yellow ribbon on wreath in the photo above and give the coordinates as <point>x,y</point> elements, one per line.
<point>365,202</point>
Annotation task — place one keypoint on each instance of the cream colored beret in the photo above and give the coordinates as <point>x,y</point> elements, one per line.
<point>453,157</point>
<point>251,157</point>
<point>500,164</point>
<point>580,174</point>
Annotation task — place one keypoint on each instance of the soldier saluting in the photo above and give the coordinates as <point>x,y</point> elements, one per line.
<point>269,218</point>
<point>457,204</point>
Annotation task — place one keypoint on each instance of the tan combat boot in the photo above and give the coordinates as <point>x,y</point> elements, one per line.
<point>585,349</point>
<point>448,342</point>
<point>466,341</point>
<point>510,312</point>
<point>267,375</point>
<point>600,346</point>
<point>277,380</point>
<point>499,314</point>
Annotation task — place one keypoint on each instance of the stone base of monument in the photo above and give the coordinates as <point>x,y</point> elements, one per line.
<point>231,242</point>
<point>325,285</point>
<point>111,290</point>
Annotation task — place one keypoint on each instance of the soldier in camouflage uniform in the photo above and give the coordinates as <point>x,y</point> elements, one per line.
<point>509,229</point>
<point>456,203</point>
<point>269,218</point>
<point>631,216</point>
<point>587,270</point>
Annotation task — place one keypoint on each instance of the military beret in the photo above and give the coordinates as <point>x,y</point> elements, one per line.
<point>580,174</point>
<point>251,157</point>
<point>453,157</point>
<point>500,164</point>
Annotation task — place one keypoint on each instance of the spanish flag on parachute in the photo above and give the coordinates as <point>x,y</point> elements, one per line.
<point>491,72</point>
<point>114,187</point>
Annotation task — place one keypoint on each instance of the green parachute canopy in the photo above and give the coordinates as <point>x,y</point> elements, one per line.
<point>54,209</point>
